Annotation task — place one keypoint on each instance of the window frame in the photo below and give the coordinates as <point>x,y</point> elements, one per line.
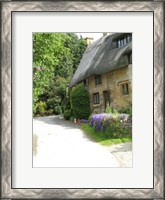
<point>98,80</point>
<point>124,88</point>
<point>96,98</point>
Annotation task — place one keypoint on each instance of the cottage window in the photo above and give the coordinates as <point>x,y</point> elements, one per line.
<point>129,38</point>
<point>125,89</point>
<point>96,99</point>
<point>118,43</point>
<point>98,79</point>
<point>124,40</point>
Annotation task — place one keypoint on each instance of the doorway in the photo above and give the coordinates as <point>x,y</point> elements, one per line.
<point>106,98</point>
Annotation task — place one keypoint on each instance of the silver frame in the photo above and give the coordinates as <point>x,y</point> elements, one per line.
<point>157,7</point>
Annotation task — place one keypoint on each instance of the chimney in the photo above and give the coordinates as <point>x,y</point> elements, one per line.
<point>89,40</point>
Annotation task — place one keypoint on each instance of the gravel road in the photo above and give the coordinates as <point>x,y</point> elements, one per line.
<point>60,143</point>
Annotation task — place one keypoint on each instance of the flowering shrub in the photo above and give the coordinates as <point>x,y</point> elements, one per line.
<point>97,121</point>
<point>123,117</point>
<point>109,128</point>
<point>101,121</point>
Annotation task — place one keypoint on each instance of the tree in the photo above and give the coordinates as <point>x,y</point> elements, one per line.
<point>55,58</point>
<point>77,47</point>
<point>56,93</point>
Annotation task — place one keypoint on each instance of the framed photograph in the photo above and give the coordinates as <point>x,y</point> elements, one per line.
<point>82,99</point>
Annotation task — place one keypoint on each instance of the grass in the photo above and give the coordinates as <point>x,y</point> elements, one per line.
<point>103,137</point>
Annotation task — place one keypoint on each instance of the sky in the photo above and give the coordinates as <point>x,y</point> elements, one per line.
<point>95,36</point>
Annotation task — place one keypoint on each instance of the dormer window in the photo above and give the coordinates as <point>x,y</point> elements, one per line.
<point>98,80</point>
<point>124,40</point>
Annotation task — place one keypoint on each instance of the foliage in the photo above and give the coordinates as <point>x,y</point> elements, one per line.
<point>65,105</point>
<point>116,130</point>
<point>80,102</point>
<point>97,121</point>
<point>67,114</point>
<point>103,137</point>
<point>41,108</point>
<point>55,93</point>
<point>41,77</point>
<point>55,58</point>
<point>101,121</point>
<point>110,109</point>
<point>77,47</point>
<point>126,110</point>
<point>109,128</point>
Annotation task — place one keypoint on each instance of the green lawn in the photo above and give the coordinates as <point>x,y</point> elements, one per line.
<point>103,137</point>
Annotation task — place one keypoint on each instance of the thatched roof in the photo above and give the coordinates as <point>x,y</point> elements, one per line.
<point>102,56</point>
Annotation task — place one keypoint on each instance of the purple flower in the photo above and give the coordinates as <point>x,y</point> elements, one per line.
<point>97,120</point>
<point>123,116</point>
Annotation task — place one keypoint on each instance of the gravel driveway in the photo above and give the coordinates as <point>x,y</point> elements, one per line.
<point>60,143</point>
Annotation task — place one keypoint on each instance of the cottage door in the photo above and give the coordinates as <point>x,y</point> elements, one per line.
<point>106,98</point>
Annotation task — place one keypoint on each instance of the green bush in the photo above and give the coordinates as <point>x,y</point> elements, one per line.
<point>108,137</point>
<point>80,103</point>
<point>116,130</point>
<point>54,104</point>
<point>57,110</point>
<point>65,105</point>
<point>41,108</point>
<point>49,112</point>
<point>66,114</point>
<point>110,109</point>
<point>126,110</point>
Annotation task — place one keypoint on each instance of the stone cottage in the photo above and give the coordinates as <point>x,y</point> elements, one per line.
<point>106,70</point>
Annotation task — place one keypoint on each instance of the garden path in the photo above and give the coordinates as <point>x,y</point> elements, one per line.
<point>61,143</point>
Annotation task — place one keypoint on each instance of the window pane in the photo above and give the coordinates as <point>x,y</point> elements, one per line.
<point>98,80</point>
<point>122,89</point>
<point>118,43</point>
<point>128,38</point>
<point>127,88</point>
<point>122,42</point>
<point>96,98</point>
<point>125,41</point>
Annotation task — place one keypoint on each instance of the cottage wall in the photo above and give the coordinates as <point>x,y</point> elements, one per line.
<point>112,82</point>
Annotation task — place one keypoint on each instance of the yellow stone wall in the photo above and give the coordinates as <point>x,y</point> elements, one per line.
<point>112,81</point>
